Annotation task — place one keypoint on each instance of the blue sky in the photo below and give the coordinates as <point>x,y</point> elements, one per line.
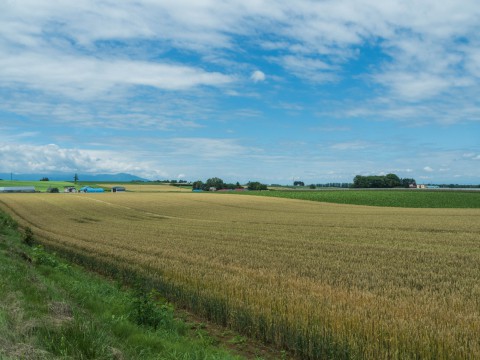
<point>270,91</point>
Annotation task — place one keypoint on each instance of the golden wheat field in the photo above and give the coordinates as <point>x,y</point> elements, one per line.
<point>323,280</point>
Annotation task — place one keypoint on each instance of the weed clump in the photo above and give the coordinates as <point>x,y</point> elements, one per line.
<point>148,310</point>
<point>42,257</point>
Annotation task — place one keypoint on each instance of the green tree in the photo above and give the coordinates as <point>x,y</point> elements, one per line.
<point>360,181</point>
<point>214,182</point>
<point>255,185</point>
<point>197,185</point>
<point>406,182</point>
<point>381,181</point>
<point>392,180</point>
<point>75,178</point>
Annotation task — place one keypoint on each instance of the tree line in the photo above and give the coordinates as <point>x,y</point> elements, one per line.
<point>382,181</point>
<point>218,184</point>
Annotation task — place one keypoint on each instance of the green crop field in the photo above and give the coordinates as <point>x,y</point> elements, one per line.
<point>392,198</point>
<point>41,186</point>
<point>326,281</point>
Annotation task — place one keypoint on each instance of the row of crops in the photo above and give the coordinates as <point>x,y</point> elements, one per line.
<point>322,280</point>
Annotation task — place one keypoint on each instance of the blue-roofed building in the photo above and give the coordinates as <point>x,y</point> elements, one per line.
<point>88,189</point>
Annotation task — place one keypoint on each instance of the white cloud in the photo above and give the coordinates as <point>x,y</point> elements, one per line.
<point>167,161</point>
<point>414,86</point>
<point>167,112</point>
<point>457,107</point>
<point>257,76</point>
<point>83,77</point>
<point>428,169</point>
<point>51,158</point>
<point>315,38</point>
<point>471,156</point>
<point>309,68</point>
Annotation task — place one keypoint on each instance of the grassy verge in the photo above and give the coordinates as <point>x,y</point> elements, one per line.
<point>389,198</point>
<point>50,309</point>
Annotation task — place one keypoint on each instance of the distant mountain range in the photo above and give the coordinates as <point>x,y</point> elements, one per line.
<point>69,177</point>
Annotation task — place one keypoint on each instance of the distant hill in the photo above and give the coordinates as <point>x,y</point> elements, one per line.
<point>69,177</point>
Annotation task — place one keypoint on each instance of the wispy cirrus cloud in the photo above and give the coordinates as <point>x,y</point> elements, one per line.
<point>82,77</point>
<point>453,108</point>
<point>309,69</point>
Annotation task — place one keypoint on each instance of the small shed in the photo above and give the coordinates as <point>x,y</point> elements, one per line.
<point>17,189</point>
<point>118,189</point>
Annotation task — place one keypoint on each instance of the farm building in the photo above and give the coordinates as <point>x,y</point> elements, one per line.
<point>17,189</point>
<point>88,189</point>
<point>70,189</point>
<point>118,189</point>
<point>428,187</point>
